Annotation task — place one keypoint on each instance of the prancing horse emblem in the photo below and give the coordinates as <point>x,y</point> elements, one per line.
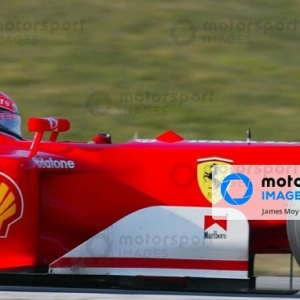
<point>209,175</point>
<point>209,180</point>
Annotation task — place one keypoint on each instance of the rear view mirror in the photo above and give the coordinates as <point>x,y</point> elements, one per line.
<point>40,125</point>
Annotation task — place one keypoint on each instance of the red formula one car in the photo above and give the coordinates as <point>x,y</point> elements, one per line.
<point>133,211</point>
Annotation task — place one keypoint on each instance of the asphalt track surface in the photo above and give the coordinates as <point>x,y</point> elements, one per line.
<point>265,284</point>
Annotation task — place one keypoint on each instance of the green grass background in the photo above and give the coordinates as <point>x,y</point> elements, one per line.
<point>126,47</point>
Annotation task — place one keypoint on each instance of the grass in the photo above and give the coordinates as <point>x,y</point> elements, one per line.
<point>119,69</point>
<point>126,48</point>
<point>275,264</point>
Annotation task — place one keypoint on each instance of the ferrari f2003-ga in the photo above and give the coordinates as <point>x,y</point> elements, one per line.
<point>131,211</point>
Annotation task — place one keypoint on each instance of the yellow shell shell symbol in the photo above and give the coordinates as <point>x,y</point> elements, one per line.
<point>11,204</point>
<point>8,206</point>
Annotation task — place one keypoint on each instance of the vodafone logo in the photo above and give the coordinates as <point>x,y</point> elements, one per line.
<point>51,163</point>
<point>11,204</point>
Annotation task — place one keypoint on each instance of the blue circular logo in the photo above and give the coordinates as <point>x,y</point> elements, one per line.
<point>226,182</point>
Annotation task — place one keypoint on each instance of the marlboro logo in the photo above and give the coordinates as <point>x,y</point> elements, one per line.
<point>219,220</point>
<point>209,221</point>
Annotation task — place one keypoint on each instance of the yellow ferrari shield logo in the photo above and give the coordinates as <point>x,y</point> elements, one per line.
<point>206,173</point>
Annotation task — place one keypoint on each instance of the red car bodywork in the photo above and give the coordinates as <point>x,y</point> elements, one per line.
<point>73,190</point>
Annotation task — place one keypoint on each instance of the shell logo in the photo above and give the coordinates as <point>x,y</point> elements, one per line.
<point>11,204</point>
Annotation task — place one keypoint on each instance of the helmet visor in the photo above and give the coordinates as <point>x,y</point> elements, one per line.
<point>11,122</point>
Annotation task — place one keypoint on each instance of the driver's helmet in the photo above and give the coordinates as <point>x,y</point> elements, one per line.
<point>10,120</point>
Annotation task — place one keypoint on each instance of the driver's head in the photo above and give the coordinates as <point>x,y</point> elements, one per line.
<point>10,120</point>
